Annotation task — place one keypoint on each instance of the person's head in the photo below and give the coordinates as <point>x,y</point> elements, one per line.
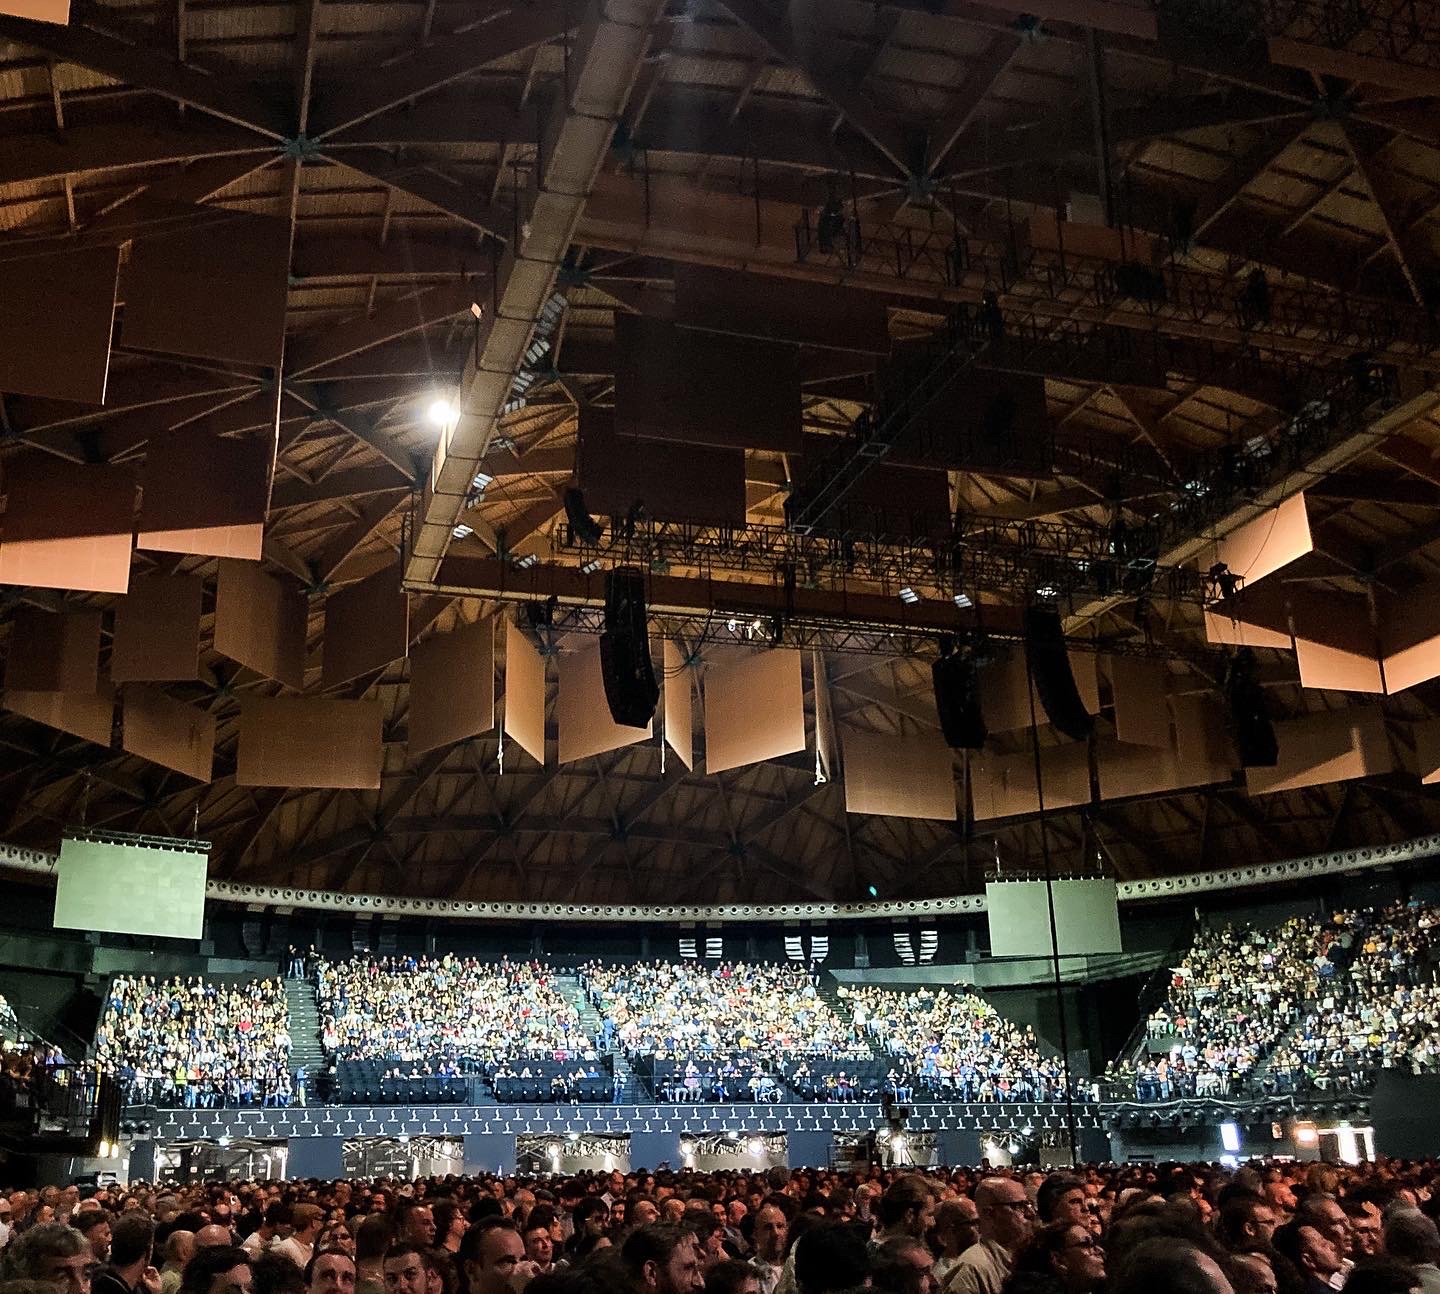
<point>51,1252</point>
<point>213,1236</point>
<point>179,1248</point>
<point>1280,1194</point>
<point>904,1265</point>
<point>489,1255</point>
<point>94,1225</point>
<point>408,1270</point>
<point>417,1226</point>
<point>1308,1249</point>
<point>1168,1263</point>
<point>957,1226</point>
<point>908,1207</point>
<point>732,1277</point>
<point>663,1257</point>
<point>643,1212</point>
<point>331,1271</point>
<point>1061,1198</point>
<point>592,1216</point>
<point>1004,1211</point>
<point>451,1220</point>
<point>1410,1237</point>
<point>132,1241</point>
<point>539,1244</point>
<point>1365,1228</point>
<point>772,1231</point>
<point>1383,1276</point>
<point>832,1258</point>
<point>1253,1274</point>
<point>218,1269</point>
<point>278,1218</point>
<point>305,1220</point>
<point>1067,1252</point>
<point>1328,1218</point>
<point>1247,1224</point>
<point>274,1273</point>
<point>372,1239</point>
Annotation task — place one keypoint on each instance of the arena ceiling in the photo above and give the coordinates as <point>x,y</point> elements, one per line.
<point>400,147</point>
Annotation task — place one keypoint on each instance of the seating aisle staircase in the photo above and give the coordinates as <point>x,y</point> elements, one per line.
<point>306,1050</point>
<point>633,1090</point>
<point>827,988</point>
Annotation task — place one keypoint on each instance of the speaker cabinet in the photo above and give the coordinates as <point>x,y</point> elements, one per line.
<point>631,690</point>
<point>957,700</point>
<point>1050,668</point>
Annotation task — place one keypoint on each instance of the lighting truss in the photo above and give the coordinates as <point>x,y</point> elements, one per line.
<point>1045,286</point>
<point>1023,558</point>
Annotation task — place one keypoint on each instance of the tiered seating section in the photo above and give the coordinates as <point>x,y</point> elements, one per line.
<point>195,1042</point>
<point>1307,1006</point>
<point>953,1045</point>
<point>403,1028</point>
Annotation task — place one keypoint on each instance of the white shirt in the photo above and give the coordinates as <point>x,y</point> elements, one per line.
<point>296,1251</point>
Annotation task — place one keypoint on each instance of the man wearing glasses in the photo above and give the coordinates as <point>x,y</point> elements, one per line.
<point>1006,1219</point>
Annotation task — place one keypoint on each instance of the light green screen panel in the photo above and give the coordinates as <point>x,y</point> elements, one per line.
<point>1087,918</point>
<point>130,889</point>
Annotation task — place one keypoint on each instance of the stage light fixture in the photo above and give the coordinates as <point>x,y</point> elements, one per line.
<point>962,600</point>
<point>443,412</point>
<point>908,596</point>
<point>462,531</point>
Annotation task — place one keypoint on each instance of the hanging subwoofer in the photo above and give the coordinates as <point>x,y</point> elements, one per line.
<point>1050,669</point>
<point>631,691</point>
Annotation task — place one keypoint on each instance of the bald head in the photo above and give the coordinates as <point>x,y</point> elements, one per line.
<point>212,1235</point>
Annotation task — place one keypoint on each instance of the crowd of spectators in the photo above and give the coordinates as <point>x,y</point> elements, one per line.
<point>449,1012</point>
<point>1232,999</point>
<point>679,1010</point>
<point>197,1042</point>
<point>955,1045</point>
<point>1282,1228</point>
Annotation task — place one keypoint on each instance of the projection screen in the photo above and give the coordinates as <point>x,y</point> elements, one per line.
<point>1087,918</point>
<point>130,889</point>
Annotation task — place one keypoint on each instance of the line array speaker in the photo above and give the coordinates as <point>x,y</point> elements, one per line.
<point>1050,668</point>
<point>957,700</point>
<point>631,691</point>
<point>1254,734</point>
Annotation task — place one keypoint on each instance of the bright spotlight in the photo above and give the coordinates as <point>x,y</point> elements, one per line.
<point>104,1148</point>
<point>756,1146</point>
<point>897,1142</point>
<point>443,413</point>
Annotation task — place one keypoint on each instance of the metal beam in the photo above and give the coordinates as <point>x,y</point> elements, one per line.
<point>885,132</point>
<point>974,89</point>
<point>602,71</point>
<point>431,68</point>
<point>139,66</point>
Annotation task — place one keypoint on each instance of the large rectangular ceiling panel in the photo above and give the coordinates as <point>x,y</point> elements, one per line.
<point>168,732</point>
<point>452,687</point>
<point>887,499</point>
<point>261,623</point>
<point>673,482</point>
<point>1427,750</point>
<point>911,776</point>
<point>582,714</point>
<point>89,716</point>
<point>367,626</point>
<point>56,324</point>
<point>1141,715</point>
<point>157,630</point>
<point>1277,537</point>
<point>1003,786</point>
<point>1410,637</point>
<point>807,314</point>
<point>524,693</point>
<point>827,763</point>
<point>53,651</point>
<point>985,421</point>
<point>67,526</point>
<point>1331,747</point>
<point>679,688</point>
<point>681,386</point>
<point>214,293</point>
<point>303,741</point>
<point>754,709</point>
<point>205,494</point>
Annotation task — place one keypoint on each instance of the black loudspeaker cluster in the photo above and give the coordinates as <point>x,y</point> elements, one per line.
<point>1050,668</point>
<point>631,691</point>
<point>1254,734</point>
<point>957,699</point>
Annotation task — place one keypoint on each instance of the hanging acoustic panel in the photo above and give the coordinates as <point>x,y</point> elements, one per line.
<point>452,687</point>
<point>56,326</point>
<point>167,732</point>
<point>53,651</point>
<point>205,494</point>
<point>304,741</point>
<point>261,623</point>
<point>67,525</point>
<point>754,709</point>
<point>524,693</point>
<point>582,714</point>
<point>367,627</point>
<point>679,703</point>
<point>910,776</point>
<point>157,630</point>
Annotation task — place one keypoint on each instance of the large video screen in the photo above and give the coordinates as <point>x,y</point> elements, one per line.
<point>130,889</point>
<point>1087,918</point>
